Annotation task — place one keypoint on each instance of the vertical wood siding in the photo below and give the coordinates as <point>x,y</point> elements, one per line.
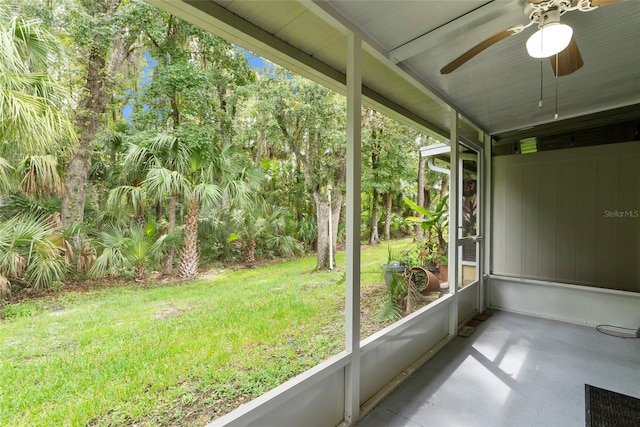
<point>570,216</point>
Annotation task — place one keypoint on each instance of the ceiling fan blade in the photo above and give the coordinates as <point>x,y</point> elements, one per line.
<point>602,3</point>
<point>569,60</point>
<point>453,65</point>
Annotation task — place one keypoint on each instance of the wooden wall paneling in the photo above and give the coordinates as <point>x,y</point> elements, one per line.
<point>513,217</point>
<point>586,205</point>
<point>498,220</point>
<point>629,224</point>
<point>548,220</point>
<point>555,216</point>
<point>530,219</point>
<point>606,235</point>
<point>567,220</point>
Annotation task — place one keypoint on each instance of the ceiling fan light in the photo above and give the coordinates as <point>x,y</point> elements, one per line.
<point>549,40</point>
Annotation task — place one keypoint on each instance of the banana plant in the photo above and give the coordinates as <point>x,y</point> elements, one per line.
<point>434,223</point>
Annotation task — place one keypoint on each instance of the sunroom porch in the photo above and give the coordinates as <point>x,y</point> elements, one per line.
<point>558,234</point>
<point>514,370</point>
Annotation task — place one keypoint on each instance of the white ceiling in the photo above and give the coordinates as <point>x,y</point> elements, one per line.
<point>500,87</point>
<point>407,42</point>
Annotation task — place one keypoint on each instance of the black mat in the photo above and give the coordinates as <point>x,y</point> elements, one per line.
<point>466,331</point>
<point>606,408</point>
<point>482,316</point>
<point>474,323</point>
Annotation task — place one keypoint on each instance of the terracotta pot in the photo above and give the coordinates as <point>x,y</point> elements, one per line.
<point>433,283</point>
<point>444,272</point>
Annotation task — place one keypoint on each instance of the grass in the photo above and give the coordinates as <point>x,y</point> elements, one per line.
<point>175,354</point>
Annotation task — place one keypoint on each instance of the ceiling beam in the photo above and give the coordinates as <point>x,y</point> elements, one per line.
<point>603,118</point>
<point>475,20</point>
<point>342,23</point>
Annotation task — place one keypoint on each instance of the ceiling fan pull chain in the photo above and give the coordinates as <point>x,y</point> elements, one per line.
<point>556,74</point>
<point>541,83</point>
<point>541,75</point>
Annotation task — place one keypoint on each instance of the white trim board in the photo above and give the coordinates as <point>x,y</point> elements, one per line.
<point>565,302</point>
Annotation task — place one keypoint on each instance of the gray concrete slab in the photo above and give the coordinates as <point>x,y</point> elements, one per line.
<point>514,371</point>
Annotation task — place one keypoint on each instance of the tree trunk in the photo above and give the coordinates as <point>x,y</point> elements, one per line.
<point>427,198</point>
<point>139,273</point>
<point>250,251</point>
<point>72,210</point>
<point>444,186</point>
<point>188,266</point>
<point>374,237</point>
<point>388,205</point>
<point>159,210</point>
<point>5,286</point>
<point>168,262</point>
<point>90,111</point>
<point>420,201</point>
<point>322,215</point>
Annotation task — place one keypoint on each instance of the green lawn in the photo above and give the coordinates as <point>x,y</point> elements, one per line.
<point>175,354</point>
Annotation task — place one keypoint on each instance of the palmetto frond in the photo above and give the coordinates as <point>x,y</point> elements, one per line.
<point>138,157</point>
<point>30,41</point>
<point>137,249</point>
<point>28,117</point>
<point>45,268</point>
<point>24,204</point>
<point>28,251</point>
<point>133,248</point>
<point>24,231</point>
<point>284,245</point>
<point>162,181</point>
<point>40,176</point>
<point>208,194</point>
<point>112,259</point>
<point>30,99</point>
<point>240,192</point>
<point>5,179</point>
<point>126,195</point>
<point>174,154</point>
<point>12,264</point>
<point>86,258</point>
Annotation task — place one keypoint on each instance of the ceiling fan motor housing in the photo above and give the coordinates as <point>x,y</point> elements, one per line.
<point>535,10</point>
<point>552,36</point>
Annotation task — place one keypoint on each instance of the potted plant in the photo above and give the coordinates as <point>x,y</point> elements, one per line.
<point>435,224</point>
<point>392,267</point>
<point>406,280</point>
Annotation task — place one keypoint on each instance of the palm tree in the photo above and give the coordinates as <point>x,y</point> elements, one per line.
<point>31,100</point>
<point>165,160</point>
<point>189,167</point>
<point>214,175</point>
<point>201,188</point>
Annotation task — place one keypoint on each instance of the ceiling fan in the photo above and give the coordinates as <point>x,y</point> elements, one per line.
<point>553,39</point>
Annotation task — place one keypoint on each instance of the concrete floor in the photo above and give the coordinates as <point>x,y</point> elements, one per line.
<point>514,371</point>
